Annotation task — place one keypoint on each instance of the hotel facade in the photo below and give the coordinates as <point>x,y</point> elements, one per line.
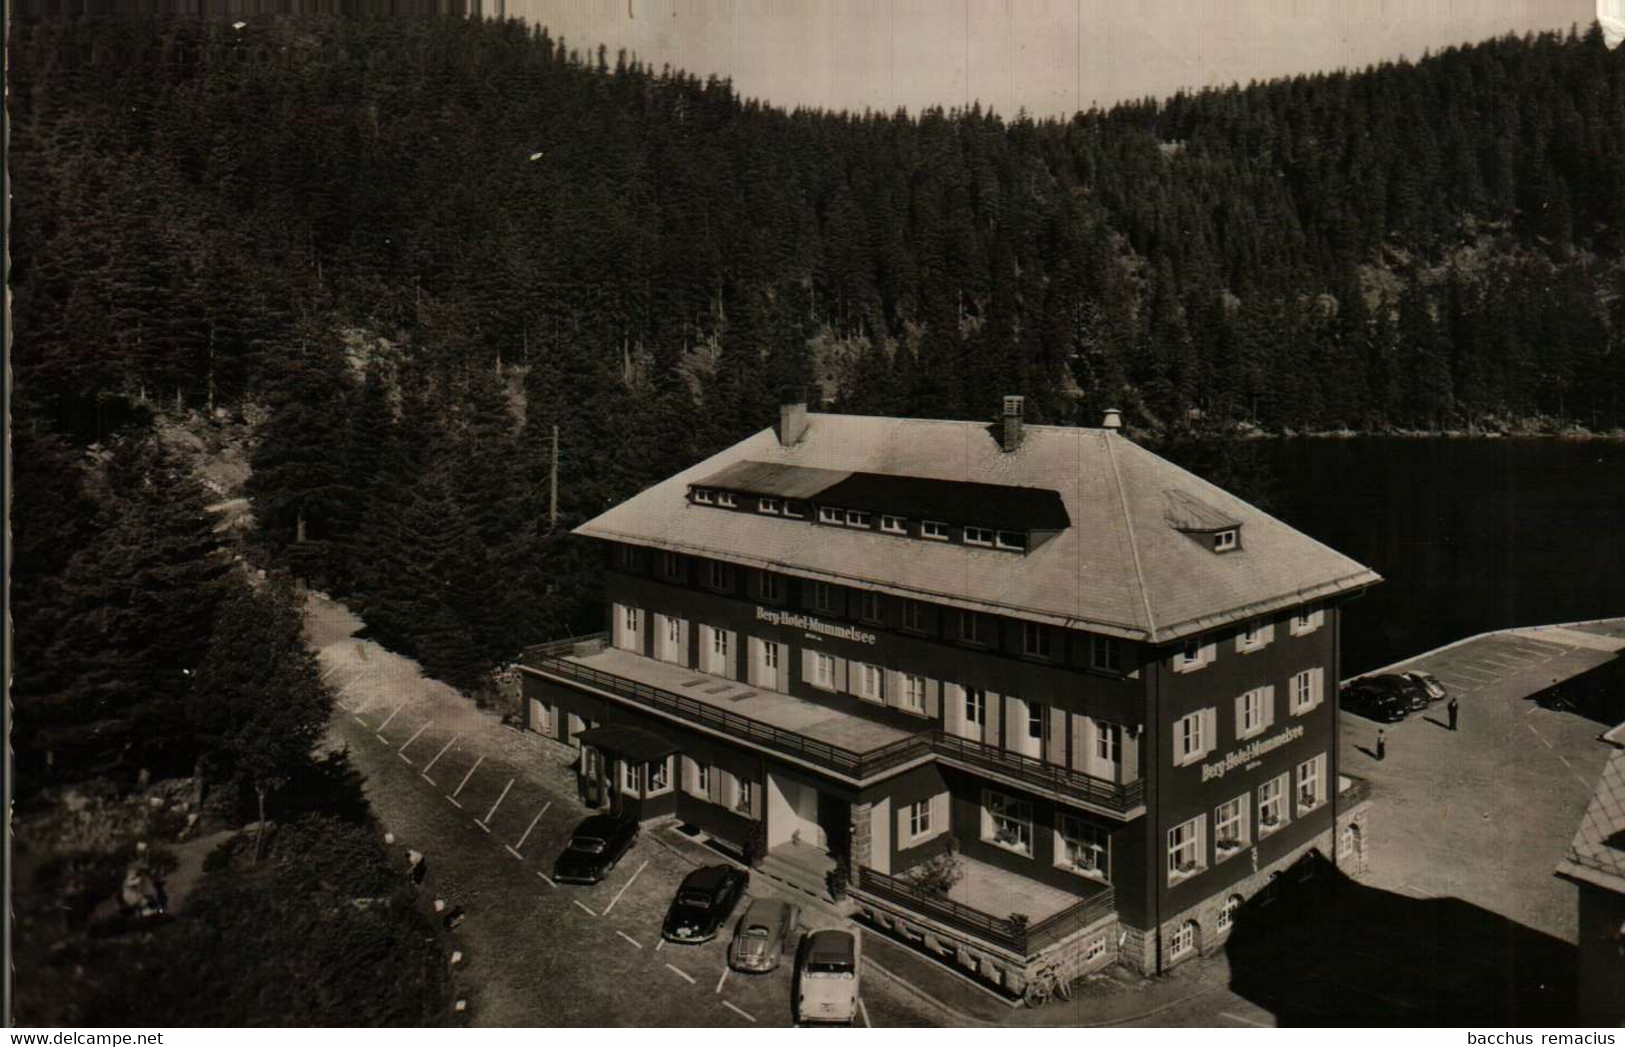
<point>1096,691</point>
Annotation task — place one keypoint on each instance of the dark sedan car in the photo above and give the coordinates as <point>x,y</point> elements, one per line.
<point>1375,700</point>
<point>704,901</point>
<point>595,847</point>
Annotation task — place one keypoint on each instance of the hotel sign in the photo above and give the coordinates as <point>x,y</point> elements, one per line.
<point>814,625</point>
<point>1249,752</point>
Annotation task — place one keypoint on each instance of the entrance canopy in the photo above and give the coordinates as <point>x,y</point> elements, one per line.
<point>632,744</point>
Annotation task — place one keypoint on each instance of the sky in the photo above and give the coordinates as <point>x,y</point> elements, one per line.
<point>1051,57</point>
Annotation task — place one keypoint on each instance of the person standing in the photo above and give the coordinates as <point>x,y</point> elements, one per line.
<point>1382,745</point>
<point>1454,709</point>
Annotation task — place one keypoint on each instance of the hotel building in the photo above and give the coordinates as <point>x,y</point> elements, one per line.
<point>1106,687</point>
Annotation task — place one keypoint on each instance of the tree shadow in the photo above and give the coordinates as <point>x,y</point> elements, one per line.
<point>1325,950</point>
<point>329,785</point>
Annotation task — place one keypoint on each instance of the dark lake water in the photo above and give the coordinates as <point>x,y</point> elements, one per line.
<point>1471,535</point>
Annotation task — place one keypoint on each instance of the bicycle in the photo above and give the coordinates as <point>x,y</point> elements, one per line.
<point>1045,985</point>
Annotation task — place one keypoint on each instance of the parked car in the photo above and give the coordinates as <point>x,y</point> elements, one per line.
<point>762,934</point>
<point>827,986</point>
<point>1414,692</point>
<point>704,901</point>
<point>1428,682</point>
<point>1375,700</point>
<point>597,845</point>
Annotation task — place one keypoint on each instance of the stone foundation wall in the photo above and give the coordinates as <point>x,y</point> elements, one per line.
<point>862,842</point>
<point>1140,947</point>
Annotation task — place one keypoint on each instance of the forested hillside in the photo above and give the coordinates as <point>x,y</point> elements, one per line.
<point>422,245</point>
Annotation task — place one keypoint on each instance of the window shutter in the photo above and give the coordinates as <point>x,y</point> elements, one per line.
<point>1210,730</point>
<point>1209,652</point>
<point>618,625</point>
<point>1129,768</point>
<point>1241,715</point>
<point>894,688</point>
<point>809,672</point>
<point>1056,740</point>
<point>903,838</point>
<point>714,790</point>
<point>756,811</point>
<point>1266,634</point>
<point>933,698</point>
<point>682,642</point>
<point>690,774</point>
<point>839,679</point>
<point>1083,748</point>
<point>1317,680</point>
<point>753,665</point>
<point>706,646</point>
<point>1269,706</point>
<point>939,814</point>
<point>1180,759</point>
<point>731,660</point>
<point>1015,723</point>
<point>953,719</point>
<point>991,721</point>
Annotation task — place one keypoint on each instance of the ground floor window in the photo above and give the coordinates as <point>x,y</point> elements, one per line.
<point>1184,941</point>
<point>1227,912</point>
<point>632,778</point>
<point>657,777</point>
<point>1007,822</point>
<point>1082,847</point>
<point>1096,948</point>
<point>1187,853</point>
<point>741,796</point>
<point>1348,841</point>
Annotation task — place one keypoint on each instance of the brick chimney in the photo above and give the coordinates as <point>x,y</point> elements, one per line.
<point>792,417</point>
<point>1012,423</point>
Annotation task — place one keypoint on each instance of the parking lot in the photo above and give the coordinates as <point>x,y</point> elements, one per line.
<point>490,808</point>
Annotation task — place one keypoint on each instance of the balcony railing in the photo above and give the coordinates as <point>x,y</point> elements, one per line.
<point>1107,795</point>
<point>1352,793</point>
<point>858,765</point>
<point>1115,796</point>
<point>1024,939</point>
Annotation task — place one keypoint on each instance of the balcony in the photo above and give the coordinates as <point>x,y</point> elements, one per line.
<point>843,743</point>
<point>847,744</point>
<point>1042,915</point>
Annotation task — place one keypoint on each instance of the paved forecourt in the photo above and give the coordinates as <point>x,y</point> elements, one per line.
<point>490,808</point>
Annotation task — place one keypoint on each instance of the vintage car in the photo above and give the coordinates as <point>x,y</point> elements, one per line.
<point>827,986</point>
<point>704,901</point>
<point>598,843</point>
<point>768,927</point>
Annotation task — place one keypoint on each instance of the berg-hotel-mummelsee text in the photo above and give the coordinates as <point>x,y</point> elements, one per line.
<point>857,641</point>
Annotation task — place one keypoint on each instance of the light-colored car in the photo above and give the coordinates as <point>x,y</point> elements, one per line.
<point>827,986</point>
<point>768,927</point>
<point>1429,683</point>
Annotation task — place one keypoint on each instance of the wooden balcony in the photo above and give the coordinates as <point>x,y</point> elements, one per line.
<point>1017,933</point>
<point>1125,799</point>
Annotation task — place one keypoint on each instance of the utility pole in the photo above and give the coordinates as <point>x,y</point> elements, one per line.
<point>553,485</point>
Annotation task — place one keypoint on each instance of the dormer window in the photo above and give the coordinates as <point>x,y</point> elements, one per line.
<point>704,496</point>
<point>727,500</point>
<point>934,530</point>
<point>1012,540</point>
<point>795,510</point>
<point>1226,540</point>
<point>770,506</point>
<point>978,536</point>
<point>830,516</point>
<point>857,518</point>
<point>893,525</point>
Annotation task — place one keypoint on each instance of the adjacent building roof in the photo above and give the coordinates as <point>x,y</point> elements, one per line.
<point>1118,565</point>
<point>629,743</point>
<point>1597,854</point>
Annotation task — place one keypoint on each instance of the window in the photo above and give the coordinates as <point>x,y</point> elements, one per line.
<point>1106,652</point>
<point>1306,690</point>
<point>1184,940</point>
<point>1227,912</point>
<point>1271,806</point>
<point>1186,850</point>
<point>978,536</point>
<point>671,565</point>
<point>719,651</point>
<point>1348,841</point>
<point>869,682</point>
<point>856,518</point>
<point>914,616</point>
<point>914,693</point>
<point>720,575</point>
<point>1034,640</point>
<point>770,656</point>
<point>1254,712</point>
<point>671,639</point>
<point>1306,620</point>
<point>629,628</point>
<point>1012,540</point>
<point>633,619</point>
<point>1109,743</point>
<point>1255,635</point>
<point>1193,655</point>
<point>1193,736</point>
<point>1081,847</point>
<point>829,516</point>
<point>1230,834</point>
<point>704,496</point>
<point>893,525</point>
<point>659,777</point>
<point>768,586</point>
<point>768,505</point>
<point>1224,541</point>
<point>632,778</point>
<point>629,558</point>
<point>823,596</point>
<point>702,780</point>
<point>1035,722</point>
<point>742,792</point>
<point>934,529</point>
<point>973,627</point>
<point>727,500</point>
<point>823,670</point>
<point>1097,948</point>
<point>795,510</point>
<point>869,608</point>
<point>1311,784</point>
<point>1007,822</point>
<point>919,818</point>
<point>976,708</point>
